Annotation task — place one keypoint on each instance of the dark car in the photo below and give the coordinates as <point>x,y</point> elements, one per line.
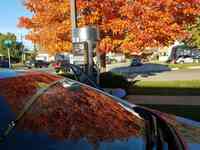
<point>30,64</point>
<point>43,111</point>
<point>41,64</point>
<point>4,64</point>
<point>37,64</point>
<point>196,58</point>
<point>136,62</point>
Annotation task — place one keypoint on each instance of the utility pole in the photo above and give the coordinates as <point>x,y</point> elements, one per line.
<point>73,14</point>
<point>73,7</point>
<point>90,58</point>
<point>8,44</point>
<point>22,48</point>
<point>9,61</point>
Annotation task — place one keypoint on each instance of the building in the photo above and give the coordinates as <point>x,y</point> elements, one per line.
<point>165,53</point>
<point>44,56</point>
<point>118,57</point>
<point>2,57</point>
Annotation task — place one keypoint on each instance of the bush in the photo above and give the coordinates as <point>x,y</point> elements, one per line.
<point>108,80</point>
<point>113,80</point>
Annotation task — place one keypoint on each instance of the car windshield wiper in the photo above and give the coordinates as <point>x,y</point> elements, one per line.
<point>26,108</point>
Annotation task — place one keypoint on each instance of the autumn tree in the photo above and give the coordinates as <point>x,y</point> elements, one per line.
<point>156,23</point>
<point>125,25</point>
<point>50,24</point>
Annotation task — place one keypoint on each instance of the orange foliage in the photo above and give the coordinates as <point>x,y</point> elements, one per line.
<point>130,25</point>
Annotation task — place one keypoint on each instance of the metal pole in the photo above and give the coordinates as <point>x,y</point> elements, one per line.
<point>9,62</point>
<point>90,57</point>
<point>98,63</point>
<point>73,14</point>
<point>23,55</point>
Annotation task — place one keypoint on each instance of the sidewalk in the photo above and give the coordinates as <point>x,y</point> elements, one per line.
<point>164,100</point>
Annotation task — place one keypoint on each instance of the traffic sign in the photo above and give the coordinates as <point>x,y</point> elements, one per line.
<point>8,43</point>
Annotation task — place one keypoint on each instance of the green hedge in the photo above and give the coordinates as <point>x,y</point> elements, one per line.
<point>112,80</point>
<point>108,80</point>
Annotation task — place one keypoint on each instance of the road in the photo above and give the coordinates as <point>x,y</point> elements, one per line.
<point>116,65</point>
<point>154,72</point>
<point>164,100</point>
<point>192,74</point>
<point>150,72</point>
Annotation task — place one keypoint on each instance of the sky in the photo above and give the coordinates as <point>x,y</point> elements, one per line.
<point>10,11</point>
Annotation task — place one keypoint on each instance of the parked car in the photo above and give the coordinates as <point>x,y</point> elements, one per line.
<point>185,60</point>
<point>58,66</point>
<point>43,111</point>
<point>4,64</point>
<point>116,57</point>
<point>30,64</point>
<point>108,60</point>
<point>41,64</point>
<point>136,62</point>
<point>37,64</point>
<point>196,58</point>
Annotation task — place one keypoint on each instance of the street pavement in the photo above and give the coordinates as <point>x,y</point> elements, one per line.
<point>164,100</point>
<point>147,72</point>
<point>110,67</point>
<point>48,70</point>
<point>154,72</point>
<point>188,74</point>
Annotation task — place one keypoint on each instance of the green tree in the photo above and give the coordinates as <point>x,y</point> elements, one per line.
<point>16,49</point>
<point>194,40</point>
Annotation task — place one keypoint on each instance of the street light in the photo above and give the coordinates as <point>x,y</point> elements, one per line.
<point>88,35</point>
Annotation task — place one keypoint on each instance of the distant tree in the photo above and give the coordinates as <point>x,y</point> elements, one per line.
<point>16,49</point>
<point>194,39</point>
<point>3,37</point>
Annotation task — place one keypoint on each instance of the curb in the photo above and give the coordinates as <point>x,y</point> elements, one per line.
<point>174,69</point>
<point>195,67</point>
<point>164,100</point>
<point>190,68</point>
